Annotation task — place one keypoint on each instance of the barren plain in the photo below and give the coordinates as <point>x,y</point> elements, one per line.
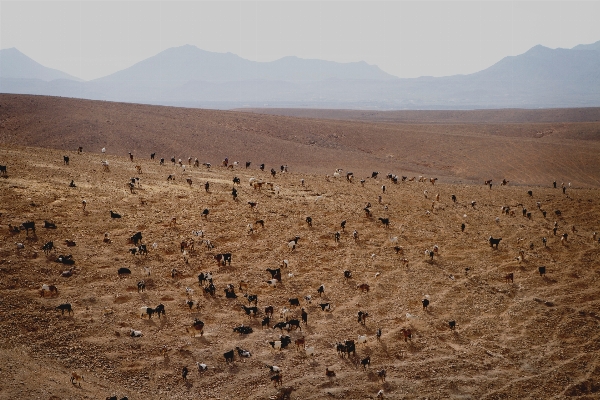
<point>537,337</point>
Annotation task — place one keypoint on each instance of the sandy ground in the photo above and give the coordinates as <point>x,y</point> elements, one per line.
<point>527,147</point>
<point>535,338</point>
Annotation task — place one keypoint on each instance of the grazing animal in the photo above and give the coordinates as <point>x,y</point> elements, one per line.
<point>66,160</point>
<point>28,225</point>
<point>76,378</point>
<point>50,288</point>
<point>309,221</point>
<point>65,307</point>
<point>49,225</point>
<point>542,271</point>
<point>494,242</point>
<point>47,248</point>
<point>70,243</point>
<point>198,326</point>
<point>114,214</point>
<point>328,373</point>
<point>321,290</point>
<point>265,322</point>
<point>363,287</point>
<point>378,334</point>
<point>452,324</point>
<point>381,375</point>
<point>229,356</point>
<point>277,379</point>
<point>250,311</point>
<point>385,222</point>
<point>304,316</point>
<point>201,367</point>
<point>325,306</point>
<point>243,353</point>
<point>347,274</point>
<point>294,302</point>
<point>243,330</point>
<point>407,333</point>
<point>362,317</point>
<point>184,373</point>
<point>141,286</point>
<point>123,271</point>
<point>365,362</point>
<point>3,169</point>
<point>425,303</point>
<point>462,227</point>
<point>509,277</point>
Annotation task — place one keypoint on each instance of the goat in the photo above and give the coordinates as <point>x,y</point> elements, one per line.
<point>362,317</point>
<point>49,225</point>
<point>275,273</point>
<point>304,316</point>
<point>50,288</point>
<point>230,292</point>
<point>494,242</point>
<point>452,324</point>
<point>509,277</point>
<point>184,373</point>
<point>325,306</point>
<point>321,290</point>
<point>361,339</point>
<point>293,323</point>
<point>3,169</point>
<point>66,160</point>
<point>76,378</point>
<point>381,375</point>
<point>355,235</point>
<point>28,225</point>
<point>198,326</point>
<point>114,214</point>
<point>336,237</point>
<point>542,271</point>
<point>309,221</point>
<point>265,321</point>
<point>365,362</point>
<point>201,367</point>
<point>277,379</point>
<point>47,248</point>
<point>229,356</point>
<point>223,259</point>
<point>294,302</point>
<point>563,238</point>
<point>407,334</point>
<point>65,307</point>
<point>141,286</point>
<point>347,274</point>
<point>243,330</point>
<point>328,373</point>
<point>363,287</point>
<point>425,304</point>
<point>385,222</point>
<point>243,353</point>
<point>123,271</point>
<point>281,325</point>
<point>250,311</point>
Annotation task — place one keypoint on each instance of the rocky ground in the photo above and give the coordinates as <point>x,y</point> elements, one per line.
<point>537,337</point>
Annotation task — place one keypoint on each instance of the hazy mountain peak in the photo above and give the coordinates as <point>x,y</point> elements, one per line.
<point>593,46</point>
<point>16,65</point>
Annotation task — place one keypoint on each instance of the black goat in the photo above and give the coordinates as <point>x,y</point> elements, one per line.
<point>494,242</point>
<point>385,222</point>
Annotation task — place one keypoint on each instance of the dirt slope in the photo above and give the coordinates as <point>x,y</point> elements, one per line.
<point>526,153</point>
<point>534,338</point>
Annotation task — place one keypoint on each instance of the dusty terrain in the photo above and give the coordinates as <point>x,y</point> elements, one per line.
<point>527,147</point>
<point>534,338</point>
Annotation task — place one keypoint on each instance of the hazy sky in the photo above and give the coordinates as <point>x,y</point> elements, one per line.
<point>90,39</point>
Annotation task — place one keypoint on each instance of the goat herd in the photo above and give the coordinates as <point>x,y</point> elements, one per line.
<point>207,280</point>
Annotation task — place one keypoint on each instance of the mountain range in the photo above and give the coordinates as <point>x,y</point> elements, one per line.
<point>189,76</point>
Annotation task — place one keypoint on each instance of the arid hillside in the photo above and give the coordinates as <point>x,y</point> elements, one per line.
<point>524,147</point>
<point>533,337</point>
